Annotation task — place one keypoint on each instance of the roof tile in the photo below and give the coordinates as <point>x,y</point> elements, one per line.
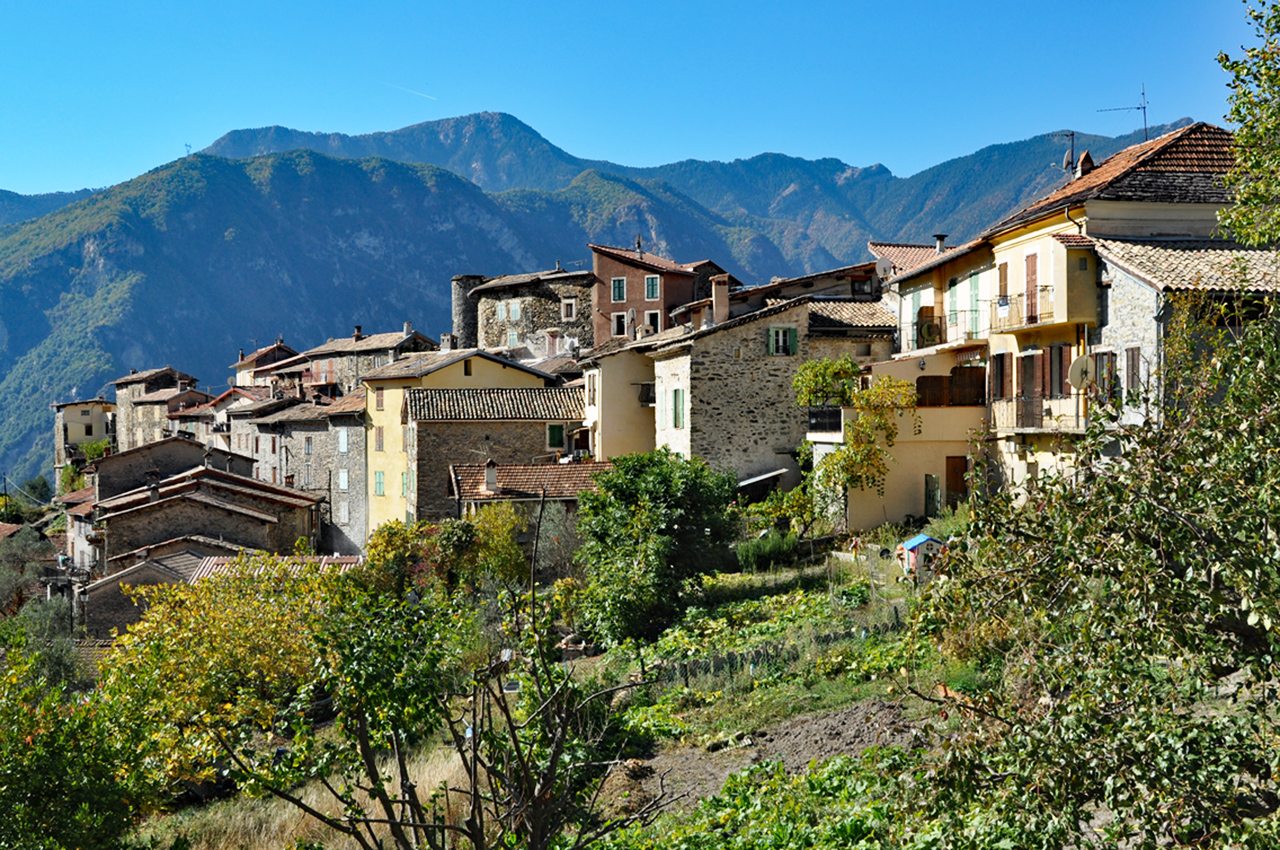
<point>546,404</point>
<point>526,481</point>
<point>1205,264</point>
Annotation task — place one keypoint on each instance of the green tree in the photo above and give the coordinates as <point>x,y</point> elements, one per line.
<point>37,490</point>
<point>656,521</point>
<point>1254,107</point>
<point>69,770</point>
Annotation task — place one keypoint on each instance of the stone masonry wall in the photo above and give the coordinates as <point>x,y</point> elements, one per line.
<point>319,472</point>
<point>539,310</point>
<point>143,528</point>
<point>1127,318</point>
<point>440,444</point>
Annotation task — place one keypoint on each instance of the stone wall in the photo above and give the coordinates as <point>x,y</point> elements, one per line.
<point>540,309</point>
<point>170,517</point>
<point>436,445</point>
<point>107,607</point>
<point>1128,317</point>
<point>465,326</point>
<point>318,469</point>
<point>124,472</point>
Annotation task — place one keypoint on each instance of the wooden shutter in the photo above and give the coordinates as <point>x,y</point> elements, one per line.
<point>768,339</point>
<point>1065,353</point>
<point>1008,375</point>
<point>1133,368</point>
<point>1033,292</point>
<point>993,378</point>
<point>793,340</point>
<point>1004,280</point>
<point>1042,374</point>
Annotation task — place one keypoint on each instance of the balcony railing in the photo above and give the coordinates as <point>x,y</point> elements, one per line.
<point>954,325</point>
<point>1019,311</point>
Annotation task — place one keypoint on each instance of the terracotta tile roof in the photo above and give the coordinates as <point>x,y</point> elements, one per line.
<point>424,364</point>
<point>195,538</point>
<point>82,509</point>
<point>159,395</point>
<point>1183,166</point>
<point>525,481</point>
<point>350,403</point>
<point>905,257</point>
<point>75,497</point>
<point>92,652</point>
<point>1073,240</point>
<point>216,479</point>
<point>558,364</point>
<point>647,260</point>
<point>215,564</point>
<point>304,412</point>
<point>1208,264</point>
<point>8,529</point>
<point>941,259</point>
<point>546,404</point>
<point>99,401</point>
<point>511,281</point>
<point>850,315</point>
<point>254,357</point>
<point>372,342</point>
<point>147,374</point>
<point>199,498</point>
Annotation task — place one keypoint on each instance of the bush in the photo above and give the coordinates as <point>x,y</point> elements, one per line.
<point>771,551</point>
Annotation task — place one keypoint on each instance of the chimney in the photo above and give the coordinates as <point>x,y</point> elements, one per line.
<point>408,329</point>
<point>1085,165</point>
<point>357,336</point>
<point>720,298</point>
<point>448,342</point>
<point>639,248</point>
<point>941,242</point>
<point>153,485</point>
<point>491,476</point>
<point>242,354</point>
<point>133,371</point>
<point>208,456</point>
<point>557,265</point>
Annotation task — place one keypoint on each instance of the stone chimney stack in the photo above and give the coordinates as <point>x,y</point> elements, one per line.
<point>153,485</point>
<point>466,310</point>
<point>448,342</point>
<point>357,336</point>
<point>408,329</point>
<point>941,242</point>
<point>242,354</point>
<point>720,299</point>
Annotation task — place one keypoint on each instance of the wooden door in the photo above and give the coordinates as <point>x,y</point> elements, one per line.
<point>957,487</point>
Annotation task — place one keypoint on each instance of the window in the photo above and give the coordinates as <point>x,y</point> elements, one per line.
<point>952,311</point>
<point>377,439</point>
<point>306,446</point>
<point>404,484</point>
<point>378,360</point>
<point>342,440</point>
<point>1004,280</point>
<point>998,369</point>
<point>273,475</point>
<point>591,389</point>
<point>256,446</point>
<point>88,430</point>
<point>1132,368</point>
<point>862,349</point>
<point>306,475</point>
<point>619,289</point>
<point>619,324</point>
<point>377,399</point>
<point>500,311</point>
<point>555,436</point>
<point>406,438</point>
<point>513,339</point>
<point>273,445</point>
<point>378,489</point>
<point>514,310</point>
<point>84,413</point>
<point>568,309</point>
<point>653,318</point>
<point>1059,366</point>
<point>1084,264</point>
<point>342,479</point>
<point>783,341</point>
<point>677,408</point>
<point>344,513</point>
<point>651,287</point>
<point>466,367</point>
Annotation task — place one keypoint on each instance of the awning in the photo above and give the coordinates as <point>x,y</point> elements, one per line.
<point>775,474</point>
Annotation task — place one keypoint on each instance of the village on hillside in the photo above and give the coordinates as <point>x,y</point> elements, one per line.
<point>547,376</point>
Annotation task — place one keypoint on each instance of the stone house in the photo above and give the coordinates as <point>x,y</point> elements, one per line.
<point>511,425</point>
<point>208,502</point>
<point>388,439</point>
<point>131,469</point>
<point>724,393</point>
<point>248,438</point>
<point>319,449</point>
<point>252,370</point>
<point>527,316</point>
<point>178,554</point>
<point>74,424</point>
<point>474,485</point>
<point>210,423</point>
<point>339,366</point>
<point>634,289</point>
<point>81,546</point>
<point>861,282</point>
<point>144,401</point>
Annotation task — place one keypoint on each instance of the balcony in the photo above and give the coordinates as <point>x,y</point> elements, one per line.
<point>954,326</point>
<point>1011,312</point>
<point>1063,414</point>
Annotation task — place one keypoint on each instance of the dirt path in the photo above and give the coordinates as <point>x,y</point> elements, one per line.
<point>696,773</point>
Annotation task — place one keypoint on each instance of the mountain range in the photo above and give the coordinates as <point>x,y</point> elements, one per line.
<point>276,232</point>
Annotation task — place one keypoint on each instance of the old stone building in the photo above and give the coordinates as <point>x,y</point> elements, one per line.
<point>130,469</point>
<point>528,316</point>
<point>506,425</point>
<point>144,401</point>
<point>474,485</point>
<point>338,366</point>
<point>319,449</point>
<point>724,393</point>
<point>252,370</point>
<point>210,423</point>
<point>76,423</point>
<point>635,289</point>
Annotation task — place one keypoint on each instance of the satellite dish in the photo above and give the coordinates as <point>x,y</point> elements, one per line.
<point>631,316</point>
<point>884,268</point>
<point>1066,160</point>
<point>1082,372</point>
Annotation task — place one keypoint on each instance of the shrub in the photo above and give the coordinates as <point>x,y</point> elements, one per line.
<point>771,551</point>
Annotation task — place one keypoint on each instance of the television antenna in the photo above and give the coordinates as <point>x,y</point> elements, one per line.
<point>188,147</point>
<point>1142,107</point>
<point>1068,158</point>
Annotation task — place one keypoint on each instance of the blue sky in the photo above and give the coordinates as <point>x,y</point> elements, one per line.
<point>95,93</point>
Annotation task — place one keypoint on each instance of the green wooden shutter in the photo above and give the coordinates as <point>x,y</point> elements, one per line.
<point>973,304</point>
<point>793,341</point>
<point>768,339</point>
